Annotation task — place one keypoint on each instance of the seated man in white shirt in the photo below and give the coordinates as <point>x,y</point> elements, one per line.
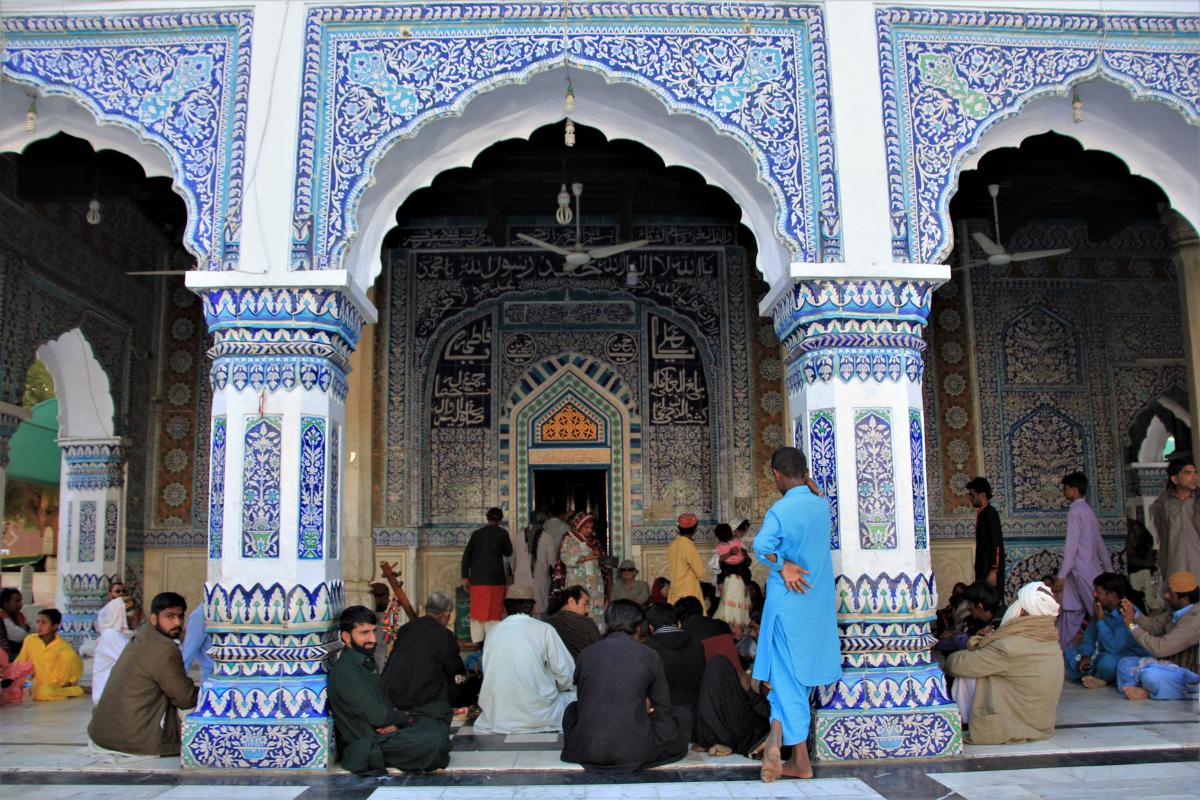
<point>528,673</point>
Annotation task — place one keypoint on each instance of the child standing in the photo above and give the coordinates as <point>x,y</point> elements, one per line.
<point>733,575</point>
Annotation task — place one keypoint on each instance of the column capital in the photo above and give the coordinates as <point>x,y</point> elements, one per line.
<point>272,337</point>
<point>94,463</point>
<point>851,328</point>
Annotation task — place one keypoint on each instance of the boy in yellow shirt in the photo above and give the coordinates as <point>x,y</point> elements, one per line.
<point>56,666</point>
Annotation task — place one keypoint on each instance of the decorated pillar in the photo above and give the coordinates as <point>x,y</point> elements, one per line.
<point>274,588</point>
<point>10,418</point>
<point>91,530</point>
<point>854,367</point>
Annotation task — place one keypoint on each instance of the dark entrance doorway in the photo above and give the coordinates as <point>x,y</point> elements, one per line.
<point>575,489</point>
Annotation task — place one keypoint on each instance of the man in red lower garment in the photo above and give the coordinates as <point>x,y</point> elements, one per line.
<point>483,573</point>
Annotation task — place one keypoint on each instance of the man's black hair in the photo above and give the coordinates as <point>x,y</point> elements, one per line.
<point>981,485</point>
<point>1176,465</point>
<point>1076,480</point>
<point>354,616</point>
<point>743,526</point>
<point>7,593</point>
<point>1192,597</point>
<point>983,594</point>
<point>518,606</point>
<point>790,462</point>
<point>623,616</point>
<point>660,615</point>
<point>574,592</point>
<point>494,515</point>
<point>723,532</point>
<point>164,600</point>
<point>1112,582</point>
<point>688,607</point>
<point>52,614</point>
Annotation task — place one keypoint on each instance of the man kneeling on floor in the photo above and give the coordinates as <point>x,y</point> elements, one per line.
<point>1171,637</point>
<point>1009,682</point>
<point>623,719</point>
<point>372,734</point>
<point>138,713</point>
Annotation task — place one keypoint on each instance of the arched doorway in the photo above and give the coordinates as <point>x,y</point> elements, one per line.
<point>578,432</point>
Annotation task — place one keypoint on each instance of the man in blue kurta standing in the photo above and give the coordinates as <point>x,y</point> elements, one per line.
<point>798,638</point>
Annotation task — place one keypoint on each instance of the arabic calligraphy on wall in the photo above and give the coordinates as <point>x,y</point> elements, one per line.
<point>678,390</point>
<point>462,381</point>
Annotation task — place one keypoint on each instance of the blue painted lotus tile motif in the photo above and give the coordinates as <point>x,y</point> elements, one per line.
<point>876,479</point>
<point>261,488</point>
<point>312,488</point>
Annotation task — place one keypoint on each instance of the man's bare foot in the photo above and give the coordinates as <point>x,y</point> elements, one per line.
<point>1136,693</point>
<point>697,748</point>
<point>720,750</point>
<point>1092,682</point>
<point>772,766</point>
<point>798,766</point>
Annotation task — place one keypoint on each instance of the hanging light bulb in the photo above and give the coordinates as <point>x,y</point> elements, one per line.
<point>569,134</point>
<point>569,103</point>
<point>31,114</point>
<point>563,214</point>
<point>1076,107</point>
<point>631,277</point>
<point>93,212</point>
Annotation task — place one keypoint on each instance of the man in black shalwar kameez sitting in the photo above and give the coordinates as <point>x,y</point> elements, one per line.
<point>622,721</point>
<point>732,717</point>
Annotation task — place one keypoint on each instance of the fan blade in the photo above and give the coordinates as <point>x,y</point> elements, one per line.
<point>985,244</point>
<point>553,248</point>
<point>612,250</point>
<point>970,264</point>
<point>1029,255</point>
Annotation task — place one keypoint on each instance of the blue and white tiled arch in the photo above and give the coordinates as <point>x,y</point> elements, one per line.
<point>180,81</point>
<point>948,76</point>
<point>757,72</point>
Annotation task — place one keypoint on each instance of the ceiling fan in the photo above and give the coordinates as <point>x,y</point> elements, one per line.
<point>997,256</point>
<point>576,256</point>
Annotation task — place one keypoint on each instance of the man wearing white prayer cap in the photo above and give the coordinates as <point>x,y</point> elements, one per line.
<point>1009,681</point>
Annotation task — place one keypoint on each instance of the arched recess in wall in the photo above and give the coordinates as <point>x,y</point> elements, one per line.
<point>1153,139</point>
<point>620,111</point>
<point>1163,417</point>
<point>85,404</point>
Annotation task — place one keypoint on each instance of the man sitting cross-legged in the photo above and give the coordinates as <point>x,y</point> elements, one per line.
<point>57,668</point>
<point>1171,636</point>
<point>1009,681</point>
<point>138,711</point>
<point>425,666</point>
<point>527,672</point>
<point>1107,640</point>
<point>682,656</point>
<point>372,734</point>
<point>623,720</point>
<point>572,621</point>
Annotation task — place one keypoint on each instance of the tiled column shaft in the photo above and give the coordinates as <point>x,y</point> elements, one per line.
<point>91,531</point>
<point>854,367</point>
<point>274,588</point>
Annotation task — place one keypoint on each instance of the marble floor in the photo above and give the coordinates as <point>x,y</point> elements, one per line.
<point>1103,747</point>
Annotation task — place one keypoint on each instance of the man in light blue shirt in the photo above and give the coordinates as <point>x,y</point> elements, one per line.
<point>196,642</point>
<point>798,638</point>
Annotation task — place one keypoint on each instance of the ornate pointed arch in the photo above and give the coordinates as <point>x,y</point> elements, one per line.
<point>178,81</point>
<point>374,74</point>
<point>606,431</point>
<point>949,76</point>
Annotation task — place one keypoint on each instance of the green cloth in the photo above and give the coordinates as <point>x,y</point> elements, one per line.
<point>359,706</point>
<point>33,453</point>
